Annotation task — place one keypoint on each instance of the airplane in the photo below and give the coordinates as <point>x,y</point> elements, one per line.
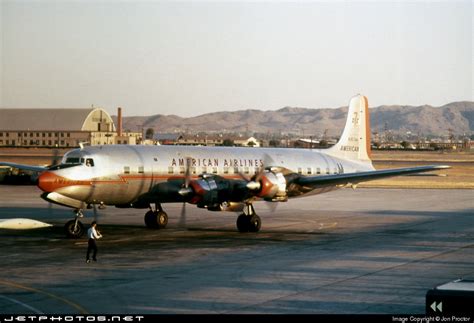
<point>215,178</point>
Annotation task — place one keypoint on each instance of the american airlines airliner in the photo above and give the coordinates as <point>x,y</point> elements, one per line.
<point>215,178</point>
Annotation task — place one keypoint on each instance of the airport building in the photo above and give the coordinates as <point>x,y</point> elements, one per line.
<point>62,128</point>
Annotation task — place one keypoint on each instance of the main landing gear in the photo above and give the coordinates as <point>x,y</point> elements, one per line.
<point>74,228</point>
<point>249,221</point>
<point>157,219</point>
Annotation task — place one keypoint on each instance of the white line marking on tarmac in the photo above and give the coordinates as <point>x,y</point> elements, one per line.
<point>31,308</point>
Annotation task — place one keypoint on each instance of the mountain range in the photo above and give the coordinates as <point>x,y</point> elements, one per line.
<point>456,118</point>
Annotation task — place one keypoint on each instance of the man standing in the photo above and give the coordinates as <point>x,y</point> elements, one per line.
<point>93,234</point>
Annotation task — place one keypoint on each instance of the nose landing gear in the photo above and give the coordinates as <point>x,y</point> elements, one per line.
<point>74,229</point>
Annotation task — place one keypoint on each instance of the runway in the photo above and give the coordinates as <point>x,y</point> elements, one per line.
<point>362,251</point>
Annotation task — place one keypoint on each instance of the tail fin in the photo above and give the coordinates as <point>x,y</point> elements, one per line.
<point>354,143</point>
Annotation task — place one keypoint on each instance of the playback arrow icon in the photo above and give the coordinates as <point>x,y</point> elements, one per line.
<point>439,306</point>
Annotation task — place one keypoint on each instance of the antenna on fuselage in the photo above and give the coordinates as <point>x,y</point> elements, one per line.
<point>81,144</point>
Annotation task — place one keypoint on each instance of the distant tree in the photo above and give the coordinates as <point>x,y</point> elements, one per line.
<point>251,143</point>
<point>297,144</point>
<point>228,142</point>
<point>323,143</point>
<point>405,144</point>
<point>274,143</point>
<point>434,146</point>
<point>149,133</point>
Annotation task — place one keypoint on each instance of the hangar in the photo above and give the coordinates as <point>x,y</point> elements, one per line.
<point>61,128</point>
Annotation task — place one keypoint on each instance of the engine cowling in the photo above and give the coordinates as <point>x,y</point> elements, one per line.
<point>272,186</point>
<point>269,185</point>
<point>211,191</point>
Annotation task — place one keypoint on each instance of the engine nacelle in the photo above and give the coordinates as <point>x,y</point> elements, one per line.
<point>272,186</point>
<point>211,191</point>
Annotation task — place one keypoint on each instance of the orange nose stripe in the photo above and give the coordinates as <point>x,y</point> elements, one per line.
<point>50,182</point>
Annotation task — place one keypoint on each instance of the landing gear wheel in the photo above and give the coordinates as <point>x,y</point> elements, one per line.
<point>161,219</point>
<point>255,223</point>
<point>150,220</point>
<point>73,230</point>
<point>156,219</point>
<point>243,223</point>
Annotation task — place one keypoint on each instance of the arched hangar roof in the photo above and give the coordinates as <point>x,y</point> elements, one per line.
<point>54,119</point>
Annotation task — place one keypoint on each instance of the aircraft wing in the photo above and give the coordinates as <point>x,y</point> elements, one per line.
<point>24,167</point>
<point>354,178</point>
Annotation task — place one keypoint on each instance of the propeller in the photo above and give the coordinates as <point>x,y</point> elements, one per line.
<point>185,191</point>
<point>254,183</point>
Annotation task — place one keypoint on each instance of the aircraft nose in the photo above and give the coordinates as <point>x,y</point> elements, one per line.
<point>47,182</point>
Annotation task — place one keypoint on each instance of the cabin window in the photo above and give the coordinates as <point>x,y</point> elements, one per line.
<point>204,169</point>
<point>126,169</point>
<point>193,170</point>
<point>236,170</point>
<point>214,170</point>
<point>328,171</point>
<point>170,170</point>
<point>141,170</point>
<point>90,162</point>
<point>318,170</point>
<point>335,170</point>
<point>246,170</point>
<point>300,171</point>
<point>182,170</point>
<point>310,171</point>
<point>226,170</point>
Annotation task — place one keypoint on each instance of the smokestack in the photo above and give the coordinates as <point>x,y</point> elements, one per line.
<point>119,121</point>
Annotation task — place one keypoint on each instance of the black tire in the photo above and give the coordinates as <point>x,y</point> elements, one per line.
<point>161,219</point>
<point>243,223</point>
<point>150,220</point>
<point>72,231</point>
<point>255,223</point>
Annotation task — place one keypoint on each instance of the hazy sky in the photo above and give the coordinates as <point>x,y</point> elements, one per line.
<point>188,58</point>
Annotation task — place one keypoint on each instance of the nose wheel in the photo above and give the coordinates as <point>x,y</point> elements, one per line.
<point>74,229</point>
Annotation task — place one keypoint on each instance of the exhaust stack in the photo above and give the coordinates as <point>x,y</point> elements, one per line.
<point>119,121</point>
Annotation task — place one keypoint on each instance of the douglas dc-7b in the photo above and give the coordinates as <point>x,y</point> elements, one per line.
<point>216,178</point>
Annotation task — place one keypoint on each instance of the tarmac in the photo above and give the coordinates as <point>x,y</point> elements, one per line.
<point>364,251</point>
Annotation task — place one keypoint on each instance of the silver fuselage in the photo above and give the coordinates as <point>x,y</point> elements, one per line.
<point>122,173</point>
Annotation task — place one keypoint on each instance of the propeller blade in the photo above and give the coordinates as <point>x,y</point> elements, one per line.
<point>182,218</point>
<point>187,175</point>
<point>272,206</point>
<point>96,215</point>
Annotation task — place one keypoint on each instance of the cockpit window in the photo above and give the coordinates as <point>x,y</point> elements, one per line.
<point>90,162</point>
<point>72,160</point>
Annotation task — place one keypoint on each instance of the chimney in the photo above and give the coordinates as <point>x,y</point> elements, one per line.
<point>119,121</point>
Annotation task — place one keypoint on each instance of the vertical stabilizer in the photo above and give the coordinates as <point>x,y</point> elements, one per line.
<point>354,143</point>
